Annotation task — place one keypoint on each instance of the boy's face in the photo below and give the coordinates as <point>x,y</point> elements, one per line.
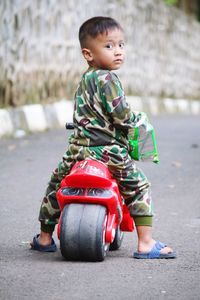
<point>106,51</point>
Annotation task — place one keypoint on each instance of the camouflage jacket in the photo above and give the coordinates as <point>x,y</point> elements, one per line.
<point>101,114</point>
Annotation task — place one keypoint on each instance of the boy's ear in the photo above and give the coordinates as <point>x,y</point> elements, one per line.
<point>87,54</point>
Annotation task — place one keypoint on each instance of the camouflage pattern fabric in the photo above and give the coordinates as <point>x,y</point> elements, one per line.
<point>102,119</point>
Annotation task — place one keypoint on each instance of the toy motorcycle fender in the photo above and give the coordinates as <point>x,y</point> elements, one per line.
<point>93,216</point>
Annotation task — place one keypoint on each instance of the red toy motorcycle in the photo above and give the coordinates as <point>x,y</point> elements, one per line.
<point>93,217</point>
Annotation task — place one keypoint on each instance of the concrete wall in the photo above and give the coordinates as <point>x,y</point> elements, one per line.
<point>40,57</point>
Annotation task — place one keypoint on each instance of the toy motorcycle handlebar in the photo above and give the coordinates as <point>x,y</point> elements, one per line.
<point>69,126</point>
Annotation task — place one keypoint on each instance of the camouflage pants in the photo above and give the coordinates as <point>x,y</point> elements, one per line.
<point>132,183</point>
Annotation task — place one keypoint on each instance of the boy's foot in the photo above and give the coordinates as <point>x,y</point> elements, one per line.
<point>42,246</point>
<point>158,250</point>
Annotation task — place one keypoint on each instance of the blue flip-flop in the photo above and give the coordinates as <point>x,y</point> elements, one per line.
<point>155,253</point>
<point>35,245</point>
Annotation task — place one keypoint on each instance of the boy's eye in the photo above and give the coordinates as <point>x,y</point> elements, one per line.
<point>109,46</point>
<point>121,45</point>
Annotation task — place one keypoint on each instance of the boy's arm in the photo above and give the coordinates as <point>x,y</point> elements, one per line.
<point>115,104</point>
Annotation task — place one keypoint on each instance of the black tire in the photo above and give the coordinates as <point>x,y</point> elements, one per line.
<point>82,234</point>
<point>116,244</point>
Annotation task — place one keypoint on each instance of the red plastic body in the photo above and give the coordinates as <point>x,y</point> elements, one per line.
<point>93,174</point>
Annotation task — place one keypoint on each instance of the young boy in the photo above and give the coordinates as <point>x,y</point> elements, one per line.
<point>102,119</point>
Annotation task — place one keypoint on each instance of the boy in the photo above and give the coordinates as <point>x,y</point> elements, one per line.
<point>102,119</point>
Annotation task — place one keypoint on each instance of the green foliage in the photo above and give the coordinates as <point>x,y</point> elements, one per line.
<point>198,10</point>
<point>171,2</point>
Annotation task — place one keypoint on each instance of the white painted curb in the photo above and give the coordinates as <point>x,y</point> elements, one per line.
<point>64,111</point>
<point>33,118</point>
<point>195,107</point>
<point>6,126</point>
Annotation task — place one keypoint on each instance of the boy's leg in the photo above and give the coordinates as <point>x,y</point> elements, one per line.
<point>135,189</point>
<point>49,210</point>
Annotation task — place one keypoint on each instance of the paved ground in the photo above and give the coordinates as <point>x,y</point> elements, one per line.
<point>25,165</point>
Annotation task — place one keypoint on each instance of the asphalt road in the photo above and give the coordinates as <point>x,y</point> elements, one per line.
<point>25,166</point>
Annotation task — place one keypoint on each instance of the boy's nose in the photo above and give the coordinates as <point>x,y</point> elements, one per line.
<point>118,51</point>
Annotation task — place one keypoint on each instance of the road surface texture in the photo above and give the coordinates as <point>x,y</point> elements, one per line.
<point>25,166</point>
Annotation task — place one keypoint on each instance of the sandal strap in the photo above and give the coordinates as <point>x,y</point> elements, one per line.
<point>155,251</point>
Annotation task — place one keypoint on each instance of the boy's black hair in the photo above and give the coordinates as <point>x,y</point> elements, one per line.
<point>95,26</point>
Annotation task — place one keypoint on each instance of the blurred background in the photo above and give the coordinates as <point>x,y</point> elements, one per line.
<point>40,58</point>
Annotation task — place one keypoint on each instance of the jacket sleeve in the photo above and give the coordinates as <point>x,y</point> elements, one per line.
<point>115,104</point>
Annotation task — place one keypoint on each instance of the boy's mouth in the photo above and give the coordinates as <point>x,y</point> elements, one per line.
<point>119,60</point>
